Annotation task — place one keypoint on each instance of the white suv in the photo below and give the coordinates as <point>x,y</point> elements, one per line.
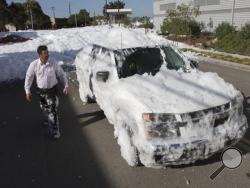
<point>164,110</point>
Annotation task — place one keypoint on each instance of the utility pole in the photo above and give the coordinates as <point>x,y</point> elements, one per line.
<point>53,11</point>
<point>75,20</point>
<point>69,10</point>
<point>106,4</point>
<point>31,16</point>
<point>85,19</point>
<point>233,10</point>
<point>54,16</point>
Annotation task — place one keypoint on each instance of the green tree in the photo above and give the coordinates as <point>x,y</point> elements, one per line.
<point>113,5</point>
<point>146,23</point>
<point>4,14</point>
<point>181,21</point>
<point>41,20</point>
<point>18,15</point>
<point>61,23</point>
<point>245,32</point>
<point>98,20</point>
<point>223,30</point>
<point>126,21</point>
<point>83,18</point>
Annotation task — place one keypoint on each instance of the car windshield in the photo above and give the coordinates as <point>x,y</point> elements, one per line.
<point>173,59</point>
<point>148,60</point>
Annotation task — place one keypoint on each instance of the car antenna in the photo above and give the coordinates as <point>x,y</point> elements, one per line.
<point>121,39</point>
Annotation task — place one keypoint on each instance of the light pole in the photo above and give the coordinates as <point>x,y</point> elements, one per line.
<point>31,16</point>
<point>233,8</point>
<point>75,20</point>
<point>53,11</point>
<point>54,16</point>
<point>106,6</point>
<point>69,9</point>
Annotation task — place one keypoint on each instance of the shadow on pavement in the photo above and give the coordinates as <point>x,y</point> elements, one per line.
<point>28,158</point>
<point>95,116</point>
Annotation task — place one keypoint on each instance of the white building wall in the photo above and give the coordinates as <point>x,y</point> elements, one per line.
<point>218,13</point>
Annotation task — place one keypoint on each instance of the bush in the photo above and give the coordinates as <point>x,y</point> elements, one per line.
<point>175,26</point>
<point>195,28</point>
<point>232,43</point>
<point>245,32</point>
<point>223,30</point>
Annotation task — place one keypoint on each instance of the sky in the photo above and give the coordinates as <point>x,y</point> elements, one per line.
<point>139,7</point>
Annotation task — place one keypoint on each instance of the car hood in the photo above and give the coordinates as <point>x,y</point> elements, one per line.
<point>170,91</point>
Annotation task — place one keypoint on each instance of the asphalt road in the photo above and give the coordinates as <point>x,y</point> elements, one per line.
<point>88,155</point>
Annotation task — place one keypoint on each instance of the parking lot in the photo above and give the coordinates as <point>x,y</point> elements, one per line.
<point>88,155</point>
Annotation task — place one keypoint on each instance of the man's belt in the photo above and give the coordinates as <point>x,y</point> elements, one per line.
<point>52,90</point>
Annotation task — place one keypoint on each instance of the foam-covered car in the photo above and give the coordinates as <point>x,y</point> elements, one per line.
<point>164,110</point>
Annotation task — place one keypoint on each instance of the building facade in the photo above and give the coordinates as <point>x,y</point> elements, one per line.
<point>213,12</point>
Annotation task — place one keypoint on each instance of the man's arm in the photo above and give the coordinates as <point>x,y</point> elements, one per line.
<point>63,78</point>
<point>30,74</point>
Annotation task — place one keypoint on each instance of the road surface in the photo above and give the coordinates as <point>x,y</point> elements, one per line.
<point>88,155</point>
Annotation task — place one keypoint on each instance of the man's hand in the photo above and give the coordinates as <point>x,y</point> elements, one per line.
<point>28,97</point>
<point>66,90</point>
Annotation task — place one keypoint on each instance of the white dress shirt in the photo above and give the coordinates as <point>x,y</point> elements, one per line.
<point>46,75</point>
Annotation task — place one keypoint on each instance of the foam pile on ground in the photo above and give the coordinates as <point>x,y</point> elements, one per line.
<point>64,44</point>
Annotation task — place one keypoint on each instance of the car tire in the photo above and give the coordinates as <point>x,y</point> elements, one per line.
<point>139,163</point>
<point>91,100</point>
<point>136,160</point>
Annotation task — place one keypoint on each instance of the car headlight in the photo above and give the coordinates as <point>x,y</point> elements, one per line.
<point>147,117</point>
<point>160,125</point>
<point>161,131</point>
<point>153,117</point>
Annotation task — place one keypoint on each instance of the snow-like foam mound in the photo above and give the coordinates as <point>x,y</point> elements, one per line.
<point>64,44</point>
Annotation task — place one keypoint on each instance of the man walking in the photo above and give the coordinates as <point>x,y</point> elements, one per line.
<point>47,74</point>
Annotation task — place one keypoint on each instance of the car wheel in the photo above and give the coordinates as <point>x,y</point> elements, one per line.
<point>128,151</point>
<point>139,163</point>
<point>91,100</point>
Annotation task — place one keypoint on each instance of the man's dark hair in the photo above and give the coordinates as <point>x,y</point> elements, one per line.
<point>41,48</point>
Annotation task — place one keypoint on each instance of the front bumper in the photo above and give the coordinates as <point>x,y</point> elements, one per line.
<point>216,137</point>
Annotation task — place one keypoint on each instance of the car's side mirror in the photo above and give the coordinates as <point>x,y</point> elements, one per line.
<point>102,76</point>
<point>194,64</point>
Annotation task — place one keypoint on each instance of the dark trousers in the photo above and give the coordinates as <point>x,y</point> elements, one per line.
<point>49,103</point>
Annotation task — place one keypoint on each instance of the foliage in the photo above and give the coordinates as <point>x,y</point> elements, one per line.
<point>181,21</point>
<point>223,30</point>
<point>113,5</point>
<point>145,20</point>
<point>126,21</point>
<point>245,32</point>
<point>83,18</point>
<point>40,20</point>
<point>4,14</point>
<point>18,15</point>
<point>232,43</point>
